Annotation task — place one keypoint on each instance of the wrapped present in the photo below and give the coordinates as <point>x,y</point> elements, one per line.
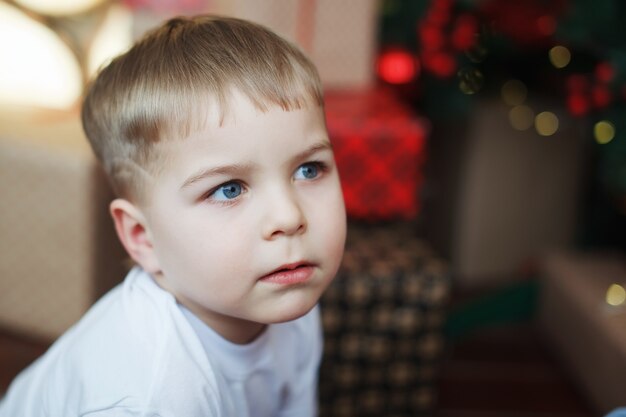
<point>583,316</point>
<point>380,149</point>
<point>382,319</point>
<point>58,249</point>
<point>339,36</point>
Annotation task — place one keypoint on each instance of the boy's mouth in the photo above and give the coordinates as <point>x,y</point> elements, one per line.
<point>294,273</point>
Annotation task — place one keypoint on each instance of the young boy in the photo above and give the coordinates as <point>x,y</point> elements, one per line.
<point>212,132</point>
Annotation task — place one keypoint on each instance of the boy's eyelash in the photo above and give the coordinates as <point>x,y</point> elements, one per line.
<point>323,166</point>
<point>208,194</point>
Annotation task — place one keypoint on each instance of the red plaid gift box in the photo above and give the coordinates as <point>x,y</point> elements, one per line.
<point>379,149</point>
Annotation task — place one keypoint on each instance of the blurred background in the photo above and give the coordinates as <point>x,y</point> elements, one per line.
<point>482,150</point>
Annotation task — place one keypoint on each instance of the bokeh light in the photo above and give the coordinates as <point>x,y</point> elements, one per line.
<point>397,66</point>
<point>615,295</point>
<point>471,80</point>
<point>514,92</point>
<point>560,56</point>
<point>58,7</point>
<point>38,69</point>
<point>604,132</point>
<point>546,123</point>
<point>521,117</point>
<point>114,37</point>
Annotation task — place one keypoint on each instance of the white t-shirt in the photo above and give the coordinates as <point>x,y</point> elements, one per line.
<point>136,352</point>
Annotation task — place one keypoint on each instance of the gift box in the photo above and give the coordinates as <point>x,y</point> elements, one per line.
<point>586,332</point>
<point>379,148</point>
<point>338,36</point>
<point>58,249</point>
<point>382,318</point>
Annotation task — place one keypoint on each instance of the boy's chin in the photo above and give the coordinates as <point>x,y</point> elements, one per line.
<point>292,312</point>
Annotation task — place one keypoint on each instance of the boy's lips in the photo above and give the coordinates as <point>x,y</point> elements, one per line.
<point>288,274</point>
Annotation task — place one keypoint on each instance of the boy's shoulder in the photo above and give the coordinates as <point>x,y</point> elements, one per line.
<point>124,352</point>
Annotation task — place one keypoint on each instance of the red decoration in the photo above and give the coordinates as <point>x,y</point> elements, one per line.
<point>577,105</point>
<point>601,96</point>
<point>605,72</point>
<point>526,22</point>
<point>440,64</point>
<point>440,38</point>
<point>546,25</point>
<point>379,149</point>
<point>464,32</point>
<point>431,36</point>
<point>583,94</point>
<point>397,66</point>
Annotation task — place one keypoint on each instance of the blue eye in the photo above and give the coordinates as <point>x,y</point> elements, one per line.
<point>227,191</point>
<point>307,171</point>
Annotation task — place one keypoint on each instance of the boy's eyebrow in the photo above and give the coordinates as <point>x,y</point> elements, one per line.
<point>218,170</point>
<point>321,146</point>
<point>229,169</point>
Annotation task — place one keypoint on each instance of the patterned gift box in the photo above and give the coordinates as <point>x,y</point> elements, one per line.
<point>379,148</point>
<point>383,318</point>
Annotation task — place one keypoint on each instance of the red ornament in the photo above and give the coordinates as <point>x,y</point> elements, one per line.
<point>577,104</point>
<point>601,96</point>
<point>397,66</point>
<point>441,64</point>
<point>523,21</point>
<point>605,72</point>
<point>546,25</point>
<point>431,37</point>
<point>464,32</point>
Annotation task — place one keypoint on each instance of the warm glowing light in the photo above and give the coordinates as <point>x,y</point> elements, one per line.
<point>37,68</point>
<point>560,56</point>
<point>113,38</point>
<point>397,66</point>
<point>470,80</point>
<point>58,7</point>
<point>546,123</point>
<point>513,92</point>
<point>521,117</point>
<point>604,132</point>
<point>615,295</point>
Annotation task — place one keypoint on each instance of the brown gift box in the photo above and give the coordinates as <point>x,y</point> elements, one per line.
<point>587,333</point>
<point>58,251</point>
<point>383,319</point>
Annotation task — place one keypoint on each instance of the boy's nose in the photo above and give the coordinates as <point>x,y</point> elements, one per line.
<point>284,217</point>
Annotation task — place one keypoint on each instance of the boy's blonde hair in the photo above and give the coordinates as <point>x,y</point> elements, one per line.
<point>162,88</point>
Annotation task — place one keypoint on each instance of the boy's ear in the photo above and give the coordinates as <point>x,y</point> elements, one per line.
<point>133,232</point>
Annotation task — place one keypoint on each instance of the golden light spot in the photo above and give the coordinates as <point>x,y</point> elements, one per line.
<point>560,56</point>
<point>521,117</point>
<point>59,7</point>
<point>114,37</point>
<point>470,80</point>
<point>38,69</point>
<point>604,132</point>
<point>514,92</point>
<point>615,295</point>
<point>546,123</point>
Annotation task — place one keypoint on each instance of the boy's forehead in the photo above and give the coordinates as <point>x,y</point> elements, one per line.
<point>236,108</point>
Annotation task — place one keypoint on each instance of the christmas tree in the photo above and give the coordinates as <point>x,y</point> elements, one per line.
<point>441,55</point>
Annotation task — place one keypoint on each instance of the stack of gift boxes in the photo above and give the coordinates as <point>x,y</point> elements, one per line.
<point>384,313</point>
